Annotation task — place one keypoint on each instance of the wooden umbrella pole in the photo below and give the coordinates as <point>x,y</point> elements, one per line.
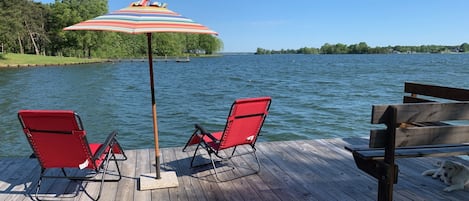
<point>153,102</point>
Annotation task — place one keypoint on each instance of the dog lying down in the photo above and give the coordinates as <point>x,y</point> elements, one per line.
<point>454,174</point>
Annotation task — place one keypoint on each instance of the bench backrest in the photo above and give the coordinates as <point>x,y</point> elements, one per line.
<point>402,118</point>
<point>419,93</point>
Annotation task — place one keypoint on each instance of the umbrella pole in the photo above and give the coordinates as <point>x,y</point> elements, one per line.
<point>153,107</point>
<point>167,179</point>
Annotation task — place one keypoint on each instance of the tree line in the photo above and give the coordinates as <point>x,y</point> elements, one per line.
<point>363,48</point>
<point>29,27</point>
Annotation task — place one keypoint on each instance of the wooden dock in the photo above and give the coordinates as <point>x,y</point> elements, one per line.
<point>291,170</point>
<point>156,59</point>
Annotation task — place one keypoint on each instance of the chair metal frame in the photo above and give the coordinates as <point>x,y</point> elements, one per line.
<point>213,142</point>
<point>100,160</point>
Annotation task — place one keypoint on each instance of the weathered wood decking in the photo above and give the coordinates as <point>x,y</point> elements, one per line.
<point>291,170</point>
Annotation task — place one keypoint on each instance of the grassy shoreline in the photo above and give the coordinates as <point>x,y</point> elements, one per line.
<point>25,60</point>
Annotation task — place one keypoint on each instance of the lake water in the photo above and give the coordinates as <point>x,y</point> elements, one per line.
<point>313,96</point>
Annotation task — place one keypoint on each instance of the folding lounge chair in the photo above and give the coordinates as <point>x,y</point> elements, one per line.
<point>58,140</point>
<point>242,127</point>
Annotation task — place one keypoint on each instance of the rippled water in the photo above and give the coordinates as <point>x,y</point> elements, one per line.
<point>314,96</point>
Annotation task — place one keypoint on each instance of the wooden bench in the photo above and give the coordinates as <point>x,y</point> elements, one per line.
<point>420,127</point>
<point>433,93</point>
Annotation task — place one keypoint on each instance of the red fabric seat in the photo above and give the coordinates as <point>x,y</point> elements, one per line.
<point>58,140</point>
<point>243,126</point>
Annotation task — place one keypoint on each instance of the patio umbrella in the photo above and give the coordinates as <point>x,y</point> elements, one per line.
<point>146,17</point>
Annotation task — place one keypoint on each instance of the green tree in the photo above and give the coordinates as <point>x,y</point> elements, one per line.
<point>327,49</point>
<point>10,25</point>
<point>22,25</point>
<point>168,44</point>
<point>30,27</point>
<point>262,51</point>
<point>360,48</point>
<point>340,49</point>
<point>209,44</point>
<point>464,47</point>
<point>191,43</point>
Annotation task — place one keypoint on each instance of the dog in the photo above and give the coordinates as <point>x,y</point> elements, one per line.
<point>453,174</point>
<point>437,173</point>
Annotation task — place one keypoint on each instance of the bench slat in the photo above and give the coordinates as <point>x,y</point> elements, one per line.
<point>450,93</point>
<point>410,99</point>
<point>428,135</point>
<point>411,152</point>
<point>422,112</point>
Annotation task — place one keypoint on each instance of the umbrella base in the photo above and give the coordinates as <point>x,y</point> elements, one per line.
<point>148,181</point>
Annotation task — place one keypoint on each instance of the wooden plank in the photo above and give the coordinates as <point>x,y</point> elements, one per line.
<point>451,93</point>
<point>335,178</point>
<point>411,99</point>
<point>344,172</point>
<point>127,185</point>
<point>275,173</point>
<point>18,182</point>
<point>142,166</point>
<point>192,187</point>
<point>8,169</point>
<point>110,188</point>
<point>422,112</point>
<point>272,175</point>
<point>428,135</point>
<point>245,167</point>
<point>229,189</point>
<point>32,179</point>
<point>291,164</point>
<point>255,181</point>
<point>244,176</point>
<point>420,151</point>
<point>210,188</point>
<point>168,157</point>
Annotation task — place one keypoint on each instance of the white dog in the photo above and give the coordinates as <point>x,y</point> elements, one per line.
<point>454,174</point>
<point>437,173</point>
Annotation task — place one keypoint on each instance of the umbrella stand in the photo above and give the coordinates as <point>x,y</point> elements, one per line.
<point>150,181</point>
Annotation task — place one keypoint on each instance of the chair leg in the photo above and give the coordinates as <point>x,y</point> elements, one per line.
<point>121,150</point>
<point>105,171</point>
<point>217,178</point>
<point>214,168</point>
<point>38,186</point>
<point>195,154</point>
<point>258,162</point>
<point>232,153</point>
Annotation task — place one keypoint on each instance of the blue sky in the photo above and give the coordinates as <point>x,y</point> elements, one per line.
<point>245,25</point>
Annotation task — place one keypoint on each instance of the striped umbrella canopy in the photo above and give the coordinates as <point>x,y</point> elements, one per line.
<point>145,17</point>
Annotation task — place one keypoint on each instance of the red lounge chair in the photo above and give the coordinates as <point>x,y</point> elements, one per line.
<point>58,140</point>
<point>242,127</point>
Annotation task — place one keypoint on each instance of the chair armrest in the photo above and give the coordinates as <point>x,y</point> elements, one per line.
<point>205,132</point>
<point>111,138</point>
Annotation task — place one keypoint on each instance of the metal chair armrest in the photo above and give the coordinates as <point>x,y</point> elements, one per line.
<point>109,142</point>
<point>205,132</point>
